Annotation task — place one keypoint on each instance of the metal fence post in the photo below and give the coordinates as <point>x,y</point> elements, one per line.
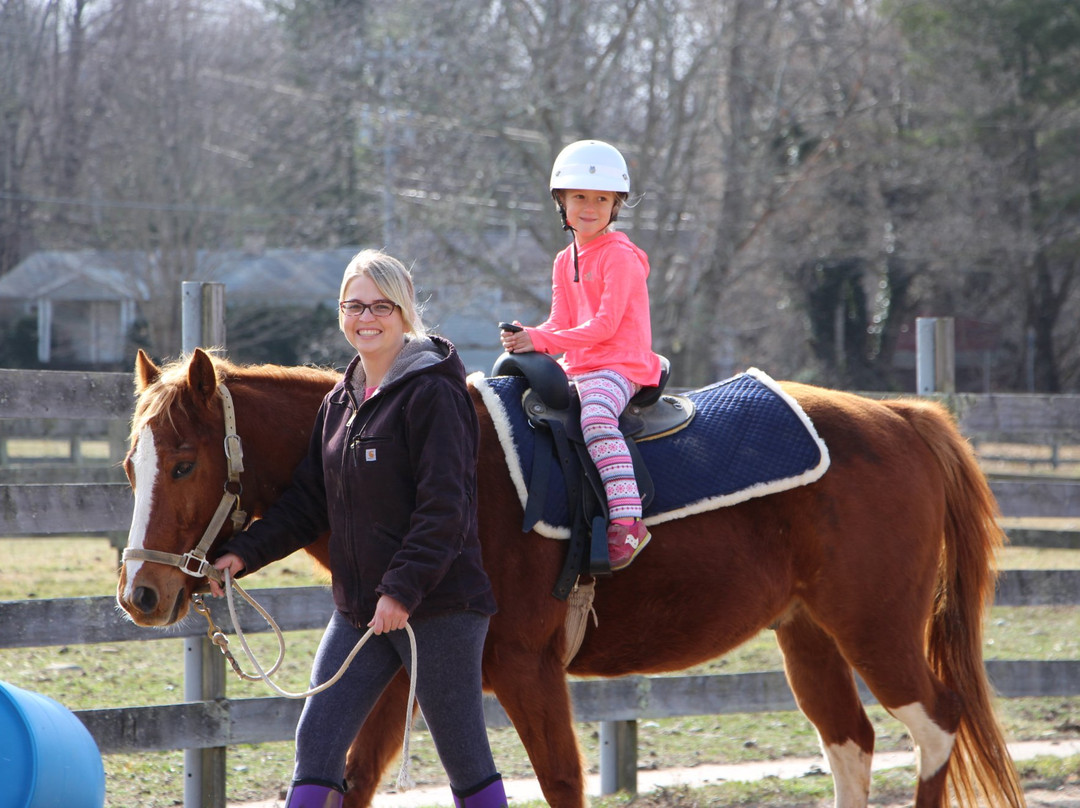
<point>618,757</point>
<point>203,326</point>
<point>935,351</point>
<point>202,315</point>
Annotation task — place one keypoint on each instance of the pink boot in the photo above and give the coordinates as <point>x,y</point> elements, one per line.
<point>624,542</point>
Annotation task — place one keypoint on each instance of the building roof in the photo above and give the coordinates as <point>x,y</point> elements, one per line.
<point>76,275</point>
<point>270,276</point>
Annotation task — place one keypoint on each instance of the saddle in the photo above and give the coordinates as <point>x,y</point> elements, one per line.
<point>553,410</point>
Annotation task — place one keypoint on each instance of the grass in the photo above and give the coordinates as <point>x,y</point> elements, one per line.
<point>124,674</point>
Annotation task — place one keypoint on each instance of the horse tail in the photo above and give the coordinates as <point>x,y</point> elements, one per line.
<point>967,574</point>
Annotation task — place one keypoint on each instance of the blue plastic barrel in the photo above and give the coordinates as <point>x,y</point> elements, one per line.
<point>47,757</point>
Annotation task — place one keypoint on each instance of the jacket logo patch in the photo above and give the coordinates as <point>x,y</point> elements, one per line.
<point>369,455</point>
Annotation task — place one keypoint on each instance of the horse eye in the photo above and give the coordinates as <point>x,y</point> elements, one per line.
<point>182,470</point>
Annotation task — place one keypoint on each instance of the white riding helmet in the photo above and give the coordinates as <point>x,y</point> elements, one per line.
<point>590,165</point>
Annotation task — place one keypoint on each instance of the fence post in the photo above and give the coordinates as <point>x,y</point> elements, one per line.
<point>202,315</point>
<point>618,757</point>
<point>935,351</point>
<point>203,325</point>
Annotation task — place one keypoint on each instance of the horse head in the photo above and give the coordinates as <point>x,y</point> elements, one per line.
<point>177,469</point>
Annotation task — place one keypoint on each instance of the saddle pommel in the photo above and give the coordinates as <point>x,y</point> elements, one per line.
<point>545,376</point>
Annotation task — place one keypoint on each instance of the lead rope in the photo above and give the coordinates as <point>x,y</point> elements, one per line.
<point>405,780</point>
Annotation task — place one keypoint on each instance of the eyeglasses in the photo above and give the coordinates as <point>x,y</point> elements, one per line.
<point>380,308</point>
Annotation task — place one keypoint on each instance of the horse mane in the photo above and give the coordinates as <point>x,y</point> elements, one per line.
<point>166,393</point>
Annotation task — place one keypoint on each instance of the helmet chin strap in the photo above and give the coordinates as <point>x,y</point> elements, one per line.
<point>573,240</point>
<point>573,244</point>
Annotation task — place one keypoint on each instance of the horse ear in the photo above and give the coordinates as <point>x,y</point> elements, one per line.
<point>146,372</point>
<point>202,377</point>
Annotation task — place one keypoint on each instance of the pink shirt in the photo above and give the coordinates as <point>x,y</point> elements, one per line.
<point>601,322</point>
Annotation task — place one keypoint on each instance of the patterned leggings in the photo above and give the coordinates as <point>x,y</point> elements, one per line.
<point>604,395</point>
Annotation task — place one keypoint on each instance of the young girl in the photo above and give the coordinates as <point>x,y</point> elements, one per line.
<point>600,322</point>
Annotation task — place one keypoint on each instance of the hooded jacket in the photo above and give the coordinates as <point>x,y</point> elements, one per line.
<point>393,479</point>
<point>601,321</point>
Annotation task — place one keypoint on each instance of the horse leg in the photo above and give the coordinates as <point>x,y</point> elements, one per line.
<point>377,744</point>
<point>532,690</point>
<point>933,745</point>
<point>895,669</point>
<point>824,688</point>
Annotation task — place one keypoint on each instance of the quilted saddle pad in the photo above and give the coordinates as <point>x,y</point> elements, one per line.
<point>747,439</point>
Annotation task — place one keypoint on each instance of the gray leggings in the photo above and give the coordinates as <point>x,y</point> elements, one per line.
<point>449,649</point>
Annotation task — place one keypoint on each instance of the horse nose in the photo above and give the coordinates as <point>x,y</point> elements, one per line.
<point>145,599</point>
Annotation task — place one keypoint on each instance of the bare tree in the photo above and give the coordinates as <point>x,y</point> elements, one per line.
<point>813,174</point>
<point>47,112</point>
<point>1007,106</point>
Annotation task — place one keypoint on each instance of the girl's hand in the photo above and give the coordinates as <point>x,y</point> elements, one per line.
<point>389,615</point>
<point>229,561</point>
<point>516,341</point>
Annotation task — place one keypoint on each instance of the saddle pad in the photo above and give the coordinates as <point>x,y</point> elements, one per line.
<point>748,439</point>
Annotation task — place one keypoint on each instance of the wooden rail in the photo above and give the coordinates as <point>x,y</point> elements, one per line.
<point>218,723</point>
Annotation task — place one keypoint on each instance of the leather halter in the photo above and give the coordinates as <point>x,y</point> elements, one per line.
<point>194,561</point>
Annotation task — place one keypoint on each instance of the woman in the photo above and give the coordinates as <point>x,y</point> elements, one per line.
<point>391,473</point>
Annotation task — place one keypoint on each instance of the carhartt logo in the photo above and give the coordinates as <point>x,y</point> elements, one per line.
<point>369,455</point>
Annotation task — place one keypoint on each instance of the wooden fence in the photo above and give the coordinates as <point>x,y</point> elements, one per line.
<point>42,509</point>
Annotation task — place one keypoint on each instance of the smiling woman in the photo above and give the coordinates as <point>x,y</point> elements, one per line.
<point>391,472</point>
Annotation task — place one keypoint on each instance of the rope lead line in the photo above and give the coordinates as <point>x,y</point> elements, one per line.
<point>405,780</point>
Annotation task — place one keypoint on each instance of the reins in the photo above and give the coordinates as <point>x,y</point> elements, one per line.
<point>195,564</point>
<point>218,638</point>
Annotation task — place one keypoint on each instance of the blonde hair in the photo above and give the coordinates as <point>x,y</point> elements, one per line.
<point>394,282</point>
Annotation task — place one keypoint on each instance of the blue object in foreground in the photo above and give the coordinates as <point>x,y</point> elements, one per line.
<point>47,757</point>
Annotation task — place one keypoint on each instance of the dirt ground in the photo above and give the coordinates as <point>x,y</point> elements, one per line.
<point>1066,797</point>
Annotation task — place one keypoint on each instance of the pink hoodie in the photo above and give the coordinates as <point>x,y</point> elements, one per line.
<point>601,322</point>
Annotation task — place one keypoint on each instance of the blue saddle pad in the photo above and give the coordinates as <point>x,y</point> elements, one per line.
<point>747,439</point>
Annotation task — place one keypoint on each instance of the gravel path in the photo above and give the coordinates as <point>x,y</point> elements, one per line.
<point>522,790</point>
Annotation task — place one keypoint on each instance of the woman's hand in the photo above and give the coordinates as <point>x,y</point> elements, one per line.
<point>233,563</point>
<point>389,615</point>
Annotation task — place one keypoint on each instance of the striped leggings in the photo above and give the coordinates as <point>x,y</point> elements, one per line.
<point>604,395</point>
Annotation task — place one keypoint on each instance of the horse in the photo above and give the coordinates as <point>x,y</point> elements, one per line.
<point>884,566</point>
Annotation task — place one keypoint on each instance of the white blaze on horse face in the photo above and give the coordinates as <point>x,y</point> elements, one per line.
<point>850,767</point>
<point>145,465</point>
<point>934,745</point>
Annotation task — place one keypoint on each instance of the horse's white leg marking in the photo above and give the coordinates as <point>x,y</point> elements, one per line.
<point>933,744</point>
<point>145,466</point>
<point>850,767</point>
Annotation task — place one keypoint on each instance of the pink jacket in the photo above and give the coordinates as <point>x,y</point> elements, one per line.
<point>601,322</point>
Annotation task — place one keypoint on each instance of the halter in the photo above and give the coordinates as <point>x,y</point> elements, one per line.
<point>194,561</point>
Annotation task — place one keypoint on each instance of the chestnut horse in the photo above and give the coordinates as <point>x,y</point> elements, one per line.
<point>883,566</point>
